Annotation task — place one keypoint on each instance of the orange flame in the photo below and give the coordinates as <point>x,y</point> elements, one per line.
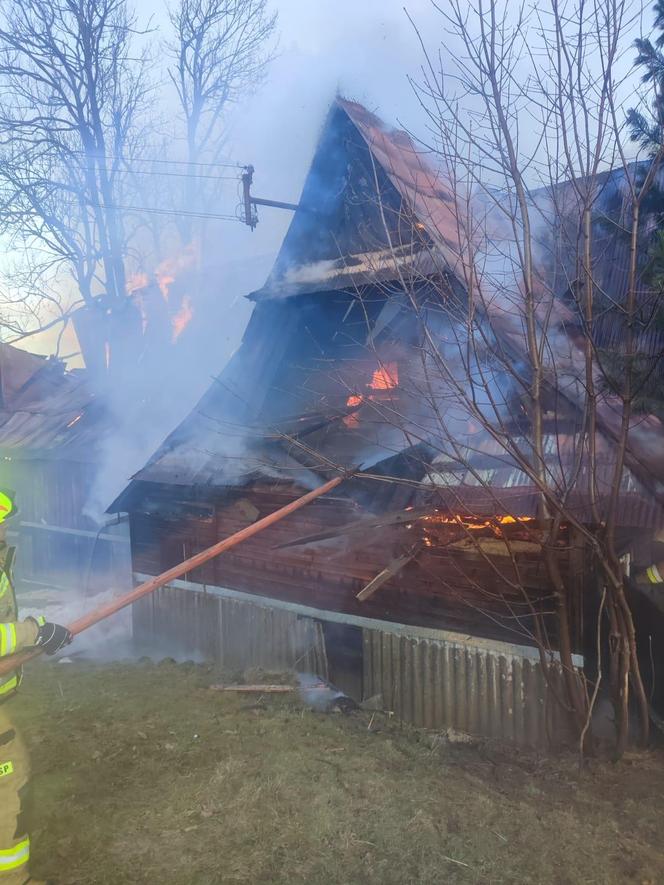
<point>353,420</point>
<point>182,318</point>
<point>167,272</point>
<point>137,281</point>
<point>164,281</point>
<point>474,524</point>
<point>386,377</point>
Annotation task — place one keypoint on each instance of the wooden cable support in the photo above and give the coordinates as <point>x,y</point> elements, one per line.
<point>96,615</point>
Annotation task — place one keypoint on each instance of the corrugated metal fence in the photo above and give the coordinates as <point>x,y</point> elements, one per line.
<point>236,633</point>
<point>444,684</point>
<point>430,678</point>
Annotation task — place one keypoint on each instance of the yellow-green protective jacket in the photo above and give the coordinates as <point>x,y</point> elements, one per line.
<point>15,635</point>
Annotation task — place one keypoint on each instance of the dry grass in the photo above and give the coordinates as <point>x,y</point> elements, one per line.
<point>143,775</point>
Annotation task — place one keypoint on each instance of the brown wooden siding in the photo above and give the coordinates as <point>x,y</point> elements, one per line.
<point>441,589</point>
<point>52,492</point>
<point>57,544</point>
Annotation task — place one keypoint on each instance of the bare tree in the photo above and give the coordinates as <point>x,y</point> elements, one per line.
<point>71,91</point>
<point>507,262</point>
<point>526,118</point>
<point>219,51</point>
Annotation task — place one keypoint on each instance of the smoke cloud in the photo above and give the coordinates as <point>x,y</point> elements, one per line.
<point>362,50</point>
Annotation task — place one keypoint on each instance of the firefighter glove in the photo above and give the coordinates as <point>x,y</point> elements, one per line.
<point>52,637</point>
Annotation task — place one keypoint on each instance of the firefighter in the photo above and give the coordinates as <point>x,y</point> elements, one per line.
<point>16,636</point>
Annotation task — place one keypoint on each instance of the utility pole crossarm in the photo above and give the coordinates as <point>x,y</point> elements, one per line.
<point>249,203</point>
<point>276,204</point>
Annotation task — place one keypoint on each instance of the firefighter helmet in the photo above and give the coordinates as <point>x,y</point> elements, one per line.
<point>7,504</point>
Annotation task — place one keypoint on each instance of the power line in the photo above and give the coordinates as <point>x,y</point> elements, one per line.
<point>182,175</point>
<point>185,175</point>
<point>234,165</point>
<point>177,212</point>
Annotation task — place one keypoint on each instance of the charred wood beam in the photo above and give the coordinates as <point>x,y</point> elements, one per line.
<point>390,570</point>
<point>398,517</point>
<point>394,518</point>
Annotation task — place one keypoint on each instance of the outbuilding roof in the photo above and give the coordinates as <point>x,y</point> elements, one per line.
<point>45,410</point>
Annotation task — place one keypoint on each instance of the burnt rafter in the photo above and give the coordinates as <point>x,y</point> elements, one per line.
<point>396,518</point>
<point>390,571</point>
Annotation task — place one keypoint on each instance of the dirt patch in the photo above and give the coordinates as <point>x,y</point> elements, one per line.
<point>143,775</point>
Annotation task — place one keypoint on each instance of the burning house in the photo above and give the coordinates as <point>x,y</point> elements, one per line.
<point>51,427</point>
<point>421,578</point>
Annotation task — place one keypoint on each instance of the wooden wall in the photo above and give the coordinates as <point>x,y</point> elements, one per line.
<point>57,544</point>
<point>442,589</point>
<point>49,491</point>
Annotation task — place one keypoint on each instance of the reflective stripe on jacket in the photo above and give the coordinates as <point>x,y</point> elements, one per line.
<point>13,858</point>
<point>14,635</point>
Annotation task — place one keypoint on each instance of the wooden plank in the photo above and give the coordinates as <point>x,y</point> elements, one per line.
<point>263,689</point>
<point>396,518</point>
<point>390,570</point>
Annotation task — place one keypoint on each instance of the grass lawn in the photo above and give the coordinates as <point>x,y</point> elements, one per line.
<point>144,775</point>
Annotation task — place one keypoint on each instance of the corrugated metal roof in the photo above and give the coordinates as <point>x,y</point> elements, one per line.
<point>635,508</point>
<point>485,480</point>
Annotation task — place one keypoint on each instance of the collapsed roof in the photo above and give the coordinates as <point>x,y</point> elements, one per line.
<point>46,411</point>
<point>310,387</point>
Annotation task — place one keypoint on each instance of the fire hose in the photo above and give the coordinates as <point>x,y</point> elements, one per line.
<point>99,614</point>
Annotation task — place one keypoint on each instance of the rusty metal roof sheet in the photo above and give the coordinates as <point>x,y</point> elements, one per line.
<point>424,189</point>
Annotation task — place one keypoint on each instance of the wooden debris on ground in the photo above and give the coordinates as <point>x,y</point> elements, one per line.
<point>271,688</point>
<point>274,689</point>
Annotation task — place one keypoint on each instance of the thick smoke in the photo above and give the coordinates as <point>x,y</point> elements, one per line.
<point>364,51</point>
<point>276,130</point>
